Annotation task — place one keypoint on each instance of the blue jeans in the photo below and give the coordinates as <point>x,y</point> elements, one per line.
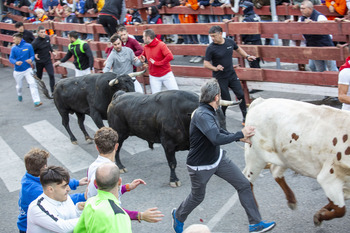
<point>204,39</point>
<point>325,65</point>
<point>176,19</point>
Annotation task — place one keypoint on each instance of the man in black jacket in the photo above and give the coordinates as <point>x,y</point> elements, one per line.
<point>27,35</point>
<point>205,159</point>
<point>83,58</point>
<point>43,50</point>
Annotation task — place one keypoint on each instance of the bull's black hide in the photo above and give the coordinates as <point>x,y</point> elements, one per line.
<point>163,118</point>
<point>89,94</point>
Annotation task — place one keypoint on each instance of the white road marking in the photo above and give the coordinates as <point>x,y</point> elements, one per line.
<point>222,212</point>
<point>11,167</point>
<point>71,156</point>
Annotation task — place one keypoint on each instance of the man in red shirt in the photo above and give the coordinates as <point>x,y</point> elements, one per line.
<point>158,57</point>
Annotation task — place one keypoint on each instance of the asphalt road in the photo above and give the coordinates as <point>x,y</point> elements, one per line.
<point>22,127</point>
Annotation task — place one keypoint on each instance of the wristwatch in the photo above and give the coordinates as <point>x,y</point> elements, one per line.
<point>247,56</point>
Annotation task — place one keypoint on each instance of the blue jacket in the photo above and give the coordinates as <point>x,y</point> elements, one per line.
<point>31,189</point>
<point>22,52</point>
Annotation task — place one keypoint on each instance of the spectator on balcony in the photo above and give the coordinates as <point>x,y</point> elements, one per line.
<point>100,4</point>
<point>59,10</point>
<point>250,16</point>
<point>42,17</point>
<point>28,36</point>
<point>111,15</point>
<point>136,20</point>
<point>15,4</point>
<point>309,14</point>
<point>190,18</point>
<point>45,5</point>
<point>336,6</point>
<point>297,3</point>
<point>154,18</point>
<point>170,4</point>
<point>227,4</point>
<point>52,4</point>
<point>90,7</point>
<point>204,39</point>
<point>38,5</point>
<point>24,3</point>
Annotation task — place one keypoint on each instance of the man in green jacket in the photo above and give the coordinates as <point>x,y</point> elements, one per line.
<point>102,213</point>
<point>83,58</point>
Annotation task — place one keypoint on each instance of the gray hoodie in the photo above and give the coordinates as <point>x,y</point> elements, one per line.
<point>122,62</point>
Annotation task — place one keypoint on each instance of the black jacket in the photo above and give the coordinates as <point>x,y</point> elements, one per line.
<point>28,36</point>
<point>206,136</point>
<point>42,47</point>
<point>250,16</point>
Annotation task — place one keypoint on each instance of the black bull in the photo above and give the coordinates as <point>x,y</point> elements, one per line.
<point>163,118</point>
<point>91,95</point>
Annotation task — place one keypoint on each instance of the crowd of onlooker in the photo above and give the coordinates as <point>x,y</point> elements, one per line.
<point>69,11</point>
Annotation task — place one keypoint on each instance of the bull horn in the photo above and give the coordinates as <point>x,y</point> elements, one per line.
<point>134,74</point>
<point>113,82</point>
<point>229,103</point>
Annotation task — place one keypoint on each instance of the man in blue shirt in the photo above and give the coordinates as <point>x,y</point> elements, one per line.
<point>22,56</point>
<point>34,161</point>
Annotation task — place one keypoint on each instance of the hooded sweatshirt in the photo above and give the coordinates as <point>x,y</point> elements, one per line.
<point>160,53</point>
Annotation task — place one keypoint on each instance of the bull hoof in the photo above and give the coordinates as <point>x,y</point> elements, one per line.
<point>317,220</point>
<point>123,170</point>
<point>75,142</point>
<point>292,206</point>
<point>175,184</point>
<point>89,140</point>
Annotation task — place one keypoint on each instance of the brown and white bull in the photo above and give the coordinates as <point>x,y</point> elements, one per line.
<point>309,139</point>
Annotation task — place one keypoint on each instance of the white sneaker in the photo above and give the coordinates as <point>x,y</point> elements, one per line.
<point>198,59</point>
<point>192,59</point>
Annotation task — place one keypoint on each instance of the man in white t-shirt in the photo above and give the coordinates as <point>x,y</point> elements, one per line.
<point>343,85</point>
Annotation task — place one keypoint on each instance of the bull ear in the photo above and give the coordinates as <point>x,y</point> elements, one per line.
<point>134,74</point>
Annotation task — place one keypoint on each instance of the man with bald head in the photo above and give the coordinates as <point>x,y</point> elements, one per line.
<point>197,228</point>
<point>102,213</point>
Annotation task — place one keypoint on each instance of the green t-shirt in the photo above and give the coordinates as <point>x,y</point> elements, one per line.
<point>102,213</point>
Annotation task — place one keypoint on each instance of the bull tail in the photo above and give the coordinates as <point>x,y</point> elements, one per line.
<point>256,102</point>
<point>42,87</point>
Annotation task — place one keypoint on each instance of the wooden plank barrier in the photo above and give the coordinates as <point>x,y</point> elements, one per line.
<point>256,76</point>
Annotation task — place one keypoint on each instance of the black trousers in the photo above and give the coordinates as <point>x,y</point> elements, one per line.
<point>236,87</point>
<point>109,24</point>
<point>50,71</point>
